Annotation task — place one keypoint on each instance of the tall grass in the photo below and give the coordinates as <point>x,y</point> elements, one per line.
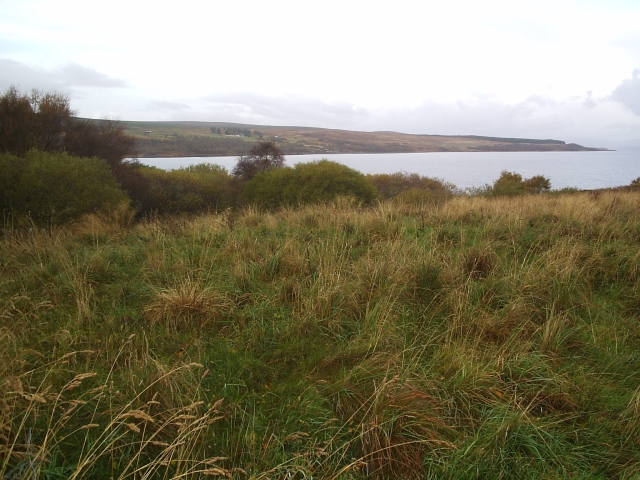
<point>471,338</point>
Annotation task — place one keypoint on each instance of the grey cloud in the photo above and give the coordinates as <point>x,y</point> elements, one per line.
<point>535,117</point>
<point>77,75</point>
<point>589,102</point>
<point>479,118</point>
<point>23,76</point>
<point>284,110</point>
<point>71,75</point>
<point>539,101</point>
<point>564,121</point>
<point>173,106</point>
<point>628,93</point>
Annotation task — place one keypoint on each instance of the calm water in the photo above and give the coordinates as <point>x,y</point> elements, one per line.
<point>584,170</point>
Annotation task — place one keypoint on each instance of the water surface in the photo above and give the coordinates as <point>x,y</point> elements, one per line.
<point>583,170</point>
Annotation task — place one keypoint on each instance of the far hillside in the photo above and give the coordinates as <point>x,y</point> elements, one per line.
<point>204,139</point>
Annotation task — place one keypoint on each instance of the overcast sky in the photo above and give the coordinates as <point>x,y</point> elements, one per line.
<point>562,69</point>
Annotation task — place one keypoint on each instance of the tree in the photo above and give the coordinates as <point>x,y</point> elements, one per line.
<point>31,121</point>
<point>44,121</point>
<point>16,123</point>
<point>52,117</point>
<point>263,156</point>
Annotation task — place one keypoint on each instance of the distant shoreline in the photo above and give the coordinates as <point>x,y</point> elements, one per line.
<point>216,139</point>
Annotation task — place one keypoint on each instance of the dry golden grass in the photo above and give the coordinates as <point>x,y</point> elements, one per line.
<point>495,336</point>
<point>393,418</point>
<point>186,304</point>
<point>553,333</point>
<point>115,221</point>
<point>631,415</point>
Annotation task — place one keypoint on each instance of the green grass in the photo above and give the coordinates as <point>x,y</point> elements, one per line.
<point>479,338</point>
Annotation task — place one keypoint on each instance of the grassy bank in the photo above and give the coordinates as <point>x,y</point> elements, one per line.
<point>478,338</point>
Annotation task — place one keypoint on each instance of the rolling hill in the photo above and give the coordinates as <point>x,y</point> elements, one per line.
<point>200,139</point>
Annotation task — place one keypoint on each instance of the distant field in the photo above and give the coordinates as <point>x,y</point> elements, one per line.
<point>176,139</point>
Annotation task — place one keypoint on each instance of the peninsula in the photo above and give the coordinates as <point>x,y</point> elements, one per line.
<point>210,139</point>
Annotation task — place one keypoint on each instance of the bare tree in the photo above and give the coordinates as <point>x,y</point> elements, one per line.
<point>45,121</point>
<point>52,116</point>
<point>262,157</point>
<point>32,121</point>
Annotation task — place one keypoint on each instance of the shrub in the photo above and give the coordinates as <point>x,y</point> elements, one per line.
<point>204,169</point>
<point>188,190</point>
<point>11,171</point>
<point>314,182</point>
<point>100,138</point>
<point>511,184</point>
<point>55,188</point>
<point>537,184</point>
<point>410,186</point>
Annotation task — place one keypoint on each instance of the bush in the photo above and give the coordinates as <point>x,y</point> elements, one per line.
<point>537,184</point>
<point>55,188</point>
<point>188,190</point>
<point>411,187</point>
<point>100,138</point>
<point>314,182</point>
<point>511,184</point>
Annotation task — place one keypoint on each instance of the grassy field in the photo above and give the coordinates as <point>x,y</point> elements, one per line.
<point>176,139</point>
<point>475,338</point>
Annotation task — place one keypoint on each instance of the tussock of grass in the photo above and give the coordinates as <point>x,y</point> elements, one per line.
<point>186,305</point>
<point>469,338</point>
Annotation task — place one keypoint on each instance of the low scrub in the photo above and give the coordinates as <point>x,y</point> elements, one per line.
<point>411,187</point>
<point>197,188</point>
<point>511,184</point>
<point>305,183</point>
<point>55,188</point>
